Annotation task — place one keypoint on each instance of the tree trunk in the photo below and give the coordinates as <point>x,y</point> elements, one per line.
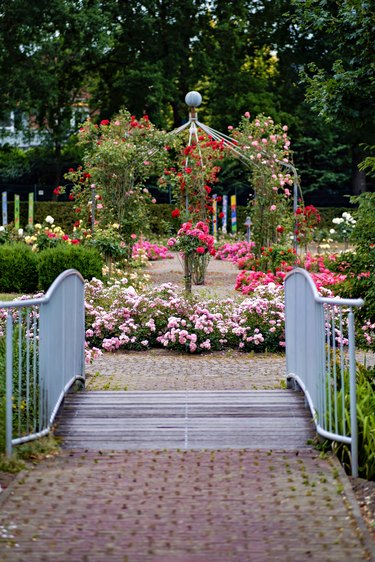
<point>358,177</point>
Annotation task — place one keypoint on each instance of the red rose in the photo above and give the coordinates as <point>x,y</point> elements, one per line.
<point>221,215</point>
<point>188,170</point>
<point>175,213</point>
<point>104,122</point>
<point>57,190</point>
<point>279,228</point>
<point>200,250</point>
<point>71,197</point>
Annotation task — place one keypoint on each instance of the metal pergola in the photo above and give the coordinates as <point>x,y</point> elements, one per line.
<point>193,100</point>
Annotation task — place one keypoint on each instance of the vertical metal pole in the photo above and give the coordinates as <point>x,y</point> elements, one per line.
<point>9,385</point>
<point>93,203</point>
<point>295,205</point>
<point>353,395</point>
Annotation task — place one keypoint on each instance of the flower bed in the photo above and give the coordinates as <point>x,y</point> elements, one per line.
<point>117,317</point>
<point>153,252</point>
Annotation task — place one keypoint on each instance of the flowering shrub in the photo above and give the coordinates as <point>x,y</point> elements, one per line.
<point>344,227</point>
<point>193,239</point>
<point>193,176</point>
<point>324,279</point>
<point>152,252</point>
<point>41,237</point>
<point>268,147</point>
<point>235,251</point>
<point>270,259</point>
<point>119,156</point>
<point>117,317</point>
<point>307,220</point>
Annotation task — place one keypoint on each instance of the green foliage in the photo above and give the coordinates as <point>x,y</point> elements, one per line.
<point>54,261</point>
<point>359,265</point>
<point>366,423</point>
<point>18,268</point>
<point>62,212</point>
<point>62,43</point>
<point>23,412</point>
<point>343,89</point>
<point>271,259</point>
<point>119,157</point>
<point>13,163</point>
<point>364,231</point>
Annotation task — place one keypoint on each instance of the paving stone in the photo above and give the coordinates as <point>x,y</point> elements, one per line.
<point>193,506</point>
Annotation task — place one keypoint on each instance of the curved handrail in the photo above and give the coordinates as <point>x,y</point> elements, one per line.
<point>51,329</point>
<point>317,331</point>
<point>47,296</point>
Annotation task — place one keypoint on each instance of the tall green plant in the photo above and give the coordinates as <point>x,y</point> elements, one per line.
<point>365,421</point>
<point>119,156</point>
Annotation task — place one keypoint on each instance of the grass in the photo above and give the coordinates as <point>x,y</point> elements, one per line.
<point>8,296</point>
<point>31,452</point>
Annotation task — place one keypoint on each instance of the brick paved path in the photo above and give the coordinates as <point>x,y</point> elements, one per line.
<point>195,506</point>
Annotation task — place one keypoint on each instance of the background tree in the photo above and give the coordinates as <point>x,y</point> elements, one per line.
<point>340,84</point>
<point>50,51</point>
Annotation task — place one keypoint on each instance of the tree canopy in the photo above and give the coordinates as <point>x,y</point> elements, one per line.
<point>308,64</point>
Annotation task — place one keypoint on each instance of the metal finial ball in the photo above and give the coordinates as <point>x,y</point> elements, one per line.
<point>193,99</point>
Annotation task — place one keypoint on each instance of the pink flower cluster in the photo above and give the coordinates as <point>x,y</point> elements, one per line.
<point>117,317</point>
<point>193,239</point>
<point>152,251</point>
<point>236,251</point>
<point>324,279</point>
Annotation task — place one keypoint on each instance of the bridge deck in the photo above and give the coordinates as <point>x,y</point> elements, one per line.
<point>272,419</point>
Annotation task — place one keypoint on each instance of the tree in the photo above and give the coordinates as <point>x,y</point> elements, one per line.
<point>52,48</point>
<point>149,66</point>
<point>340,85</point>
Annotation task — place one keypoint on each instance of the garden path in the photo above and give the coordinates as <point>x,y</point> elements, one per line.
<point>220,279</point>
<point>183,506</point>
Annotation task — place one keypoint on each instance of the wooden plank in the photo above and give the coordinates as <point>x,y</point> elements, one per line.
<point>210,420</point>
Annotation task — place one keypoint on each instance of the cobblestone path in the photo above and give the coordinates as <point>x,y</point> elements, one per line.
<point>196,506</point>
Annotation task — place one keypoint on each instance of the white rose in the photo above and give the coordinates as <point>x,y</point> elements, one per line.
<point>332,231</point>
<point>20,232</point>
<point>49,219</point>
<point>2,229</point>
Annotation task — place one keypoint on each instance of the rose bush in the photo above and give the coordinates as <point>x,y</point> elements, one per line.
<point>118,317</point>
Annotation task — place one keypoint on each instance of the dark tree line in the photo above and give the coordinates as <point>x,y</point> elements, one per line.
<point>309,64</point>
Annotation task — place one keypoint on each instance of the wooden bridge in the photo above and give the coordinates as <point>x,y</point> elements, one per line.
<point>255,419</point>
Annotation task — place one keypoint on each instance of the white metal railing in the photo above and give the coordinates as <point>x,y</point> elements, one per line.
<point>43,343</point>
<point>320,356</point>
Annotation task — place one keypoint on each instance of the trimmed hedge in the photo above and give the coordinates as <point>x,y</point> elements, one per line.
<point>62,212</point>
<point>18,269</point>
<point>54,261</point>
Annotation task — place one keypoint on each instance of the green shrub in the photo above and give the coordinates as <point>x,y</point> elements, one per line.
<point>366,423</point>
<point>62,212</point>
<point>54,261</point>
<point>329,213</point>
<point>18,269</point>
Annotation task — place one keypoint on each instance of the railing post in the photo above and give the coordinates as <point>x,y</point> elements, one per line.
<point>353,395</point>
<point>9,386</point>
